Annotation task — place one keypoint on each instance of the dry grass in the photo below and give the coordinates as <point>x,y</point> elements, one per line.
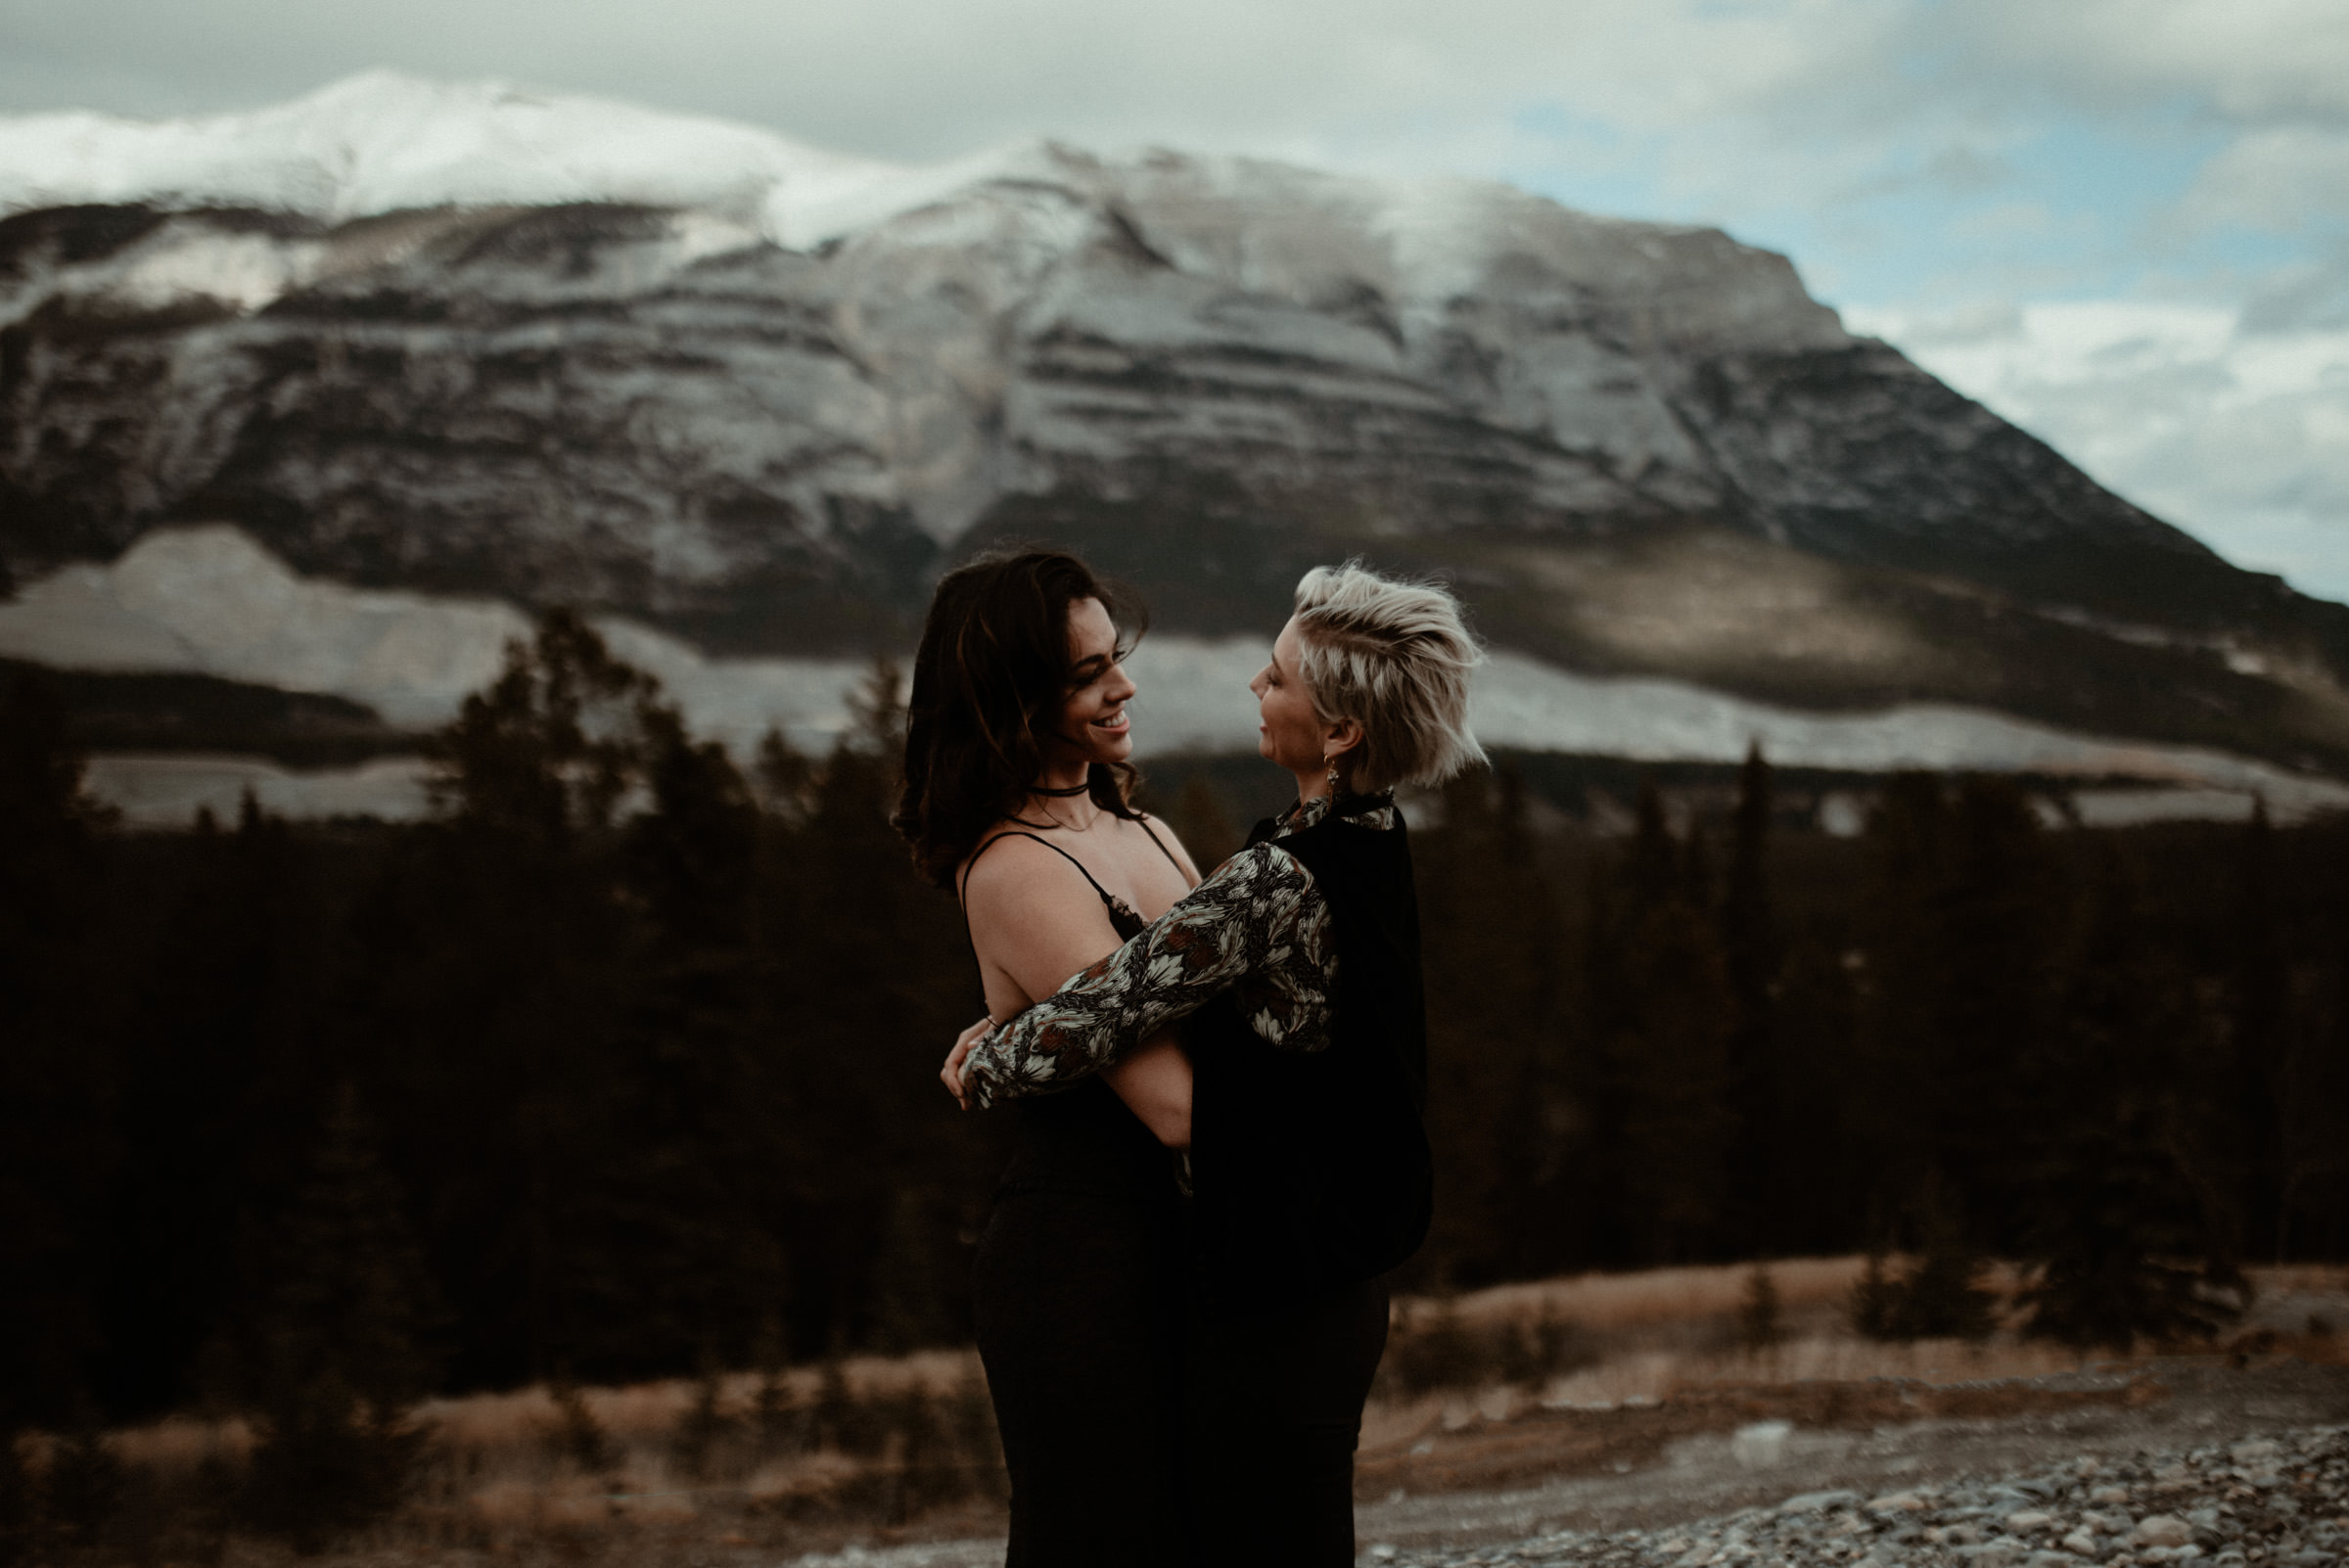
<point>183,1443</point>
<point>870,1447</point>
<point>1660,1297</point>
<point>650,1413</point>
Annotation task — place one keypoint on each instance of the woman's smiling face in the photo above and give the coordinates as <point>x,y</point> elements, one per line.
<point>1288,731</point>
<point>1094,726</point>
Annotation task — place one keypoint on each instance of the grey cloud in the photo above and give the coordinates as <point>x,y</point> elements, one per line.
<point>1985,321</point>
<point>2245,61</point>
<point>2303,299</point>
<point>1967,169</point>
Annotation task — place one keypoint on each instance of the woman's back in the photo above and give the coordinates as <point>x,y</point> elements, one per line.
<point>1082,1138</point>
<point>1043,899</point>
<point>1312,1167</point>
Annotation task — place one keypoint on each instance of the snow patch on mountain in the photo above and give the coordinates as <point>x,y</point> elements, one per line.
<point>208,600</point>
<point>1188,702</point>
<point>382,142</point>
<point>168,791</point>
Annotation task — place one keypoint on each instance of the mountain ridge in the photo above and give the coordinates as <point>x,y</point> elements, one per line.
<point>763,417</point>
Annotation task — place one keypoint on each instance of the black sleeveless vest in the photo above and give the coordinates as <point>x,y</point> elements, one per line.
<point>1311,1171</point>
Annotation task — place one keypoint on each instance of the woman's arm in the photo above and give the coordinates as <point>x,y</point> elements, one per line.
<point>1155,1082</point>
<point>1259,921</point>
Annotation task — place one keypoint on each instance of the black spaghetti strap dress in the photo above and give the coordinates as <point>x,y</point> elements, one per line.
<point>1078,1297</point>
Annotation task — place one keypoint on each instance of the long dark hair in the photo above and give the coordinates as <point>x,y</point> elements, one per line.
<point>992,669</point>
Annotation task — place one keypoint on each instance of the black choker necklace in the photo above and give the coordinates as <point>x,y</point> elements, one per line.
<point>1038,789</point>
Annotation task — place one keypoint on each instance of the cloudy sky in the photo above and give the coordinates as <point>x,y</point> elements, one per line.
<point>2122,223</point>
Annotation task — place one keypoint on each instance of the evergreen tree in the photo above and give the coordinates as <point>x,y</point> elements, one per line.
<point>576,1435</point>
<point>2314,1110</point>
<point>342,1348</point>
<point>1751,959</point>
<point>1498,1112</point>
<point>694,1204</point>
<point>1963,916</point>
<point>224,1054</point>
<point>1941,1294</point>
<point>20,1501</point>
<point>1870,1307</point>
<point>706,1425</point>
<point>496,1006</point>
<point>84,1493</point>
<point>58,1069</point>
<point>1664,1014</point>
<point>871,973</point>
<point>549,750</point>
<point>2257,985</point>
<point>2125,1244</point>
<point>327,1464</point>
<point>1759,1324</point>
<point>908,1312</point>
<point>348,1299</point>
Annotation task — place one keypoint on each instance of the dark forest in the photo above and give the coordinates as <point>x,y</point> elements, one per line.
<point>623,1063</point>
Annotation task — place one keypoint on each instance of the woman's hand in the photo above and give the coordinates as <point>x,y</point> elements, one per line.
<point>951,1074</point>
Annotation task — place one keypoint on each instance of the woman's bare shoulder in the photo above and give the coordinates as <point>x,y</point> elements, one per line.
<point>1010,861</point>
<point>1163,831</point>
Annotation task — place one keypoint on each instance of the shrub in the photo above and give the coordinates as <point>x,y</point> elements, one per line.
<point>329,1465</point>
<point>1870,1307</point>
<point>85,1490</point>
<point>1438,1351</point>
<point>1939,1297</point>
<point>705,1426</point>
<point>20,1502</point>
<point>576,1435</point>
<point>1758,1314</point>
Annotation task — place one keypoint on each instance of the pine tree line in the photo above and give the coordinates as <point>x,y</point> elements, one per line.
<point>622,1064</point>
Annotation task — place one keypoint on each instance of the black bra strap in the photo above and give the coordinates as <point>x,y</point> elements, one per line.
<point>1106,898</point>
<point>1162,849</point>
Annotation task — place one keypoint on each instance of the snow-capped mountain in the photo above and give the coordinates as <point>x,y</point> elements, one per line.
<point>461,339</point>
<point>382,142</point>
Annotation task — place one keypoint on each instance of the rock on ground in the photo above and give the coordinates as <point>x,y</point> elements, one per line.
<point>2270,1502</point>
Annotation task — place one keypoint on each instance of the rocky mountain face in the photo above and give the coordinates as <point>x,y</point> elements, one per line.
<point>764,415</point>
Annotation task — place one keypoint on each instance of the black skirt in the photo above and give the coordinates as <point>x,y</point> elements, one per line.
<point>1080,1304</point>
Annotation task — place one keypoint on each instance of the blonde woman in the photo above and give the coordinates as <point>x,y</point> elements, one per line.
<point>1295,967</point>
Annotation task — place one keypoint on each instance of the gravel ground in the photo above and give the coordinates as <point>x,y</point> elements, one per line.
<point>2252,1463</point>
<point>2281,1500</point>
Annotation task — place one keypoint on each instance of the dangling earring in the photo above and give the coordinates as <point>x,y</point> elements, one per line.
<point>1333,776</point>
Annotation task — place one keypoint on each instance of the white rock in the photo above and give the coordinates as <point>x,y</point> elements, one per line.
<point>1761,1444</point>
<point>2162,1530</point>
<point>1817,1502</point>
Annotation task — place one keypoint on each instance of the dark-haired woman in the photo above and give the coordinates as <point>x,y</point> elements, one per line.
<point>1015,795</point>
<point>1296,968</point>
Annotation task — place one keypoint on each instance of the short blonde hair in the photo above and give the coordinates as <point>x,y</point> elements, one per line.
<point>1394,658</point>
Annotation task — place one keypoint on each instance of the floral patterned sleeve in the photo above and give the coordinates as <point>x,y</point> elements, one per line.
<point>1258,926</point>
